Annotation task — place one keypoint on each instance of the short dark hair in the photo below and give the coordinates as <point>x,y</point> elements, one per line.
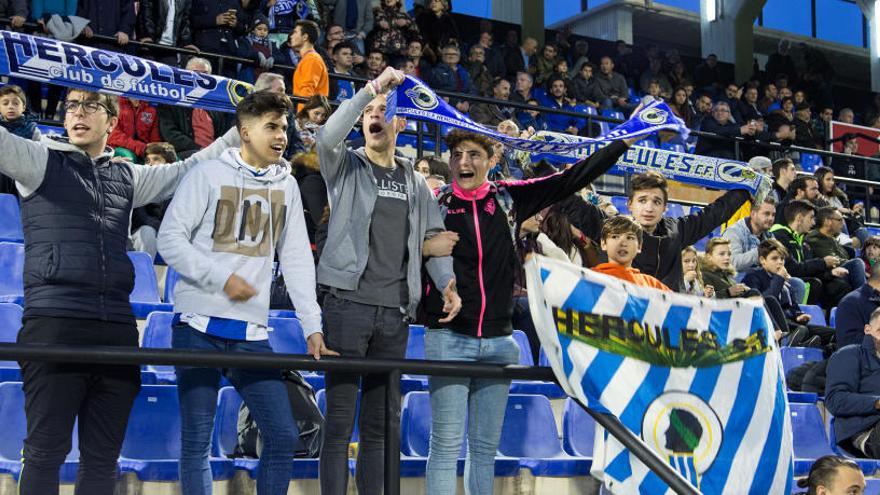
<point>780,165</point>
<point>163,149</point>
<point>800,184</point>
<point>309,28</point>
<point>110,102</point>
<point>797,207</point>
<point>824,470</point>
<point>260,103</point>
<point>342,45</point>
<point>649,180</point>
<point>767,246</point>
<point>457,136</point>
<point>12,89</point>
<point>824,213</point>
<point>621,224</point>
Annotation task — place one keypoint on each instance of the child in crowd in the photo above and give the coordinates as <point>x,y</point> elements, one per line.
<point>12,113</point>
<point>718,271</point>
<point>145,220</point>
<point>310,118</point>
<point>871,253</point>
<point>693,279</point>
<point>258,47</point>
<point>622,241</point>
<point>772,280</point>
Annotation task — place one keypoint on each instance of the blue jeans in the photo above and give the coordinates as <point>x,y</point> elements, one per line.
<point>856,268</point>
<point>263,393</point>
<point>482,401</point>
<point>798,290</point>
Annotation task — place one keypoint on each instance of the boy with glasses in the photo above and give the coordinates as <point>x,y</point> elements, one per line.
<point>76,209</point>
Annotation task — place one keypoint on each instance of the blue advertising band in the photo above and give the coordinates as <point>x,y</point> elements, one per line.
<point>92,69</point>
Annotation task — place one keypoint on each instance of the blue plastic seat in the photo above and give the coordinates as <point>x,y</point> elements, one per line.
<point>808,437</point>
<point>12,268</point>
<point>171,278</point>
<point>529,433</point>
<point>817,316</point>
<point>792,357</point>
<point>321,399</point>
<point>868,466</point>
<point>144,297</point>
<point>547,389</point>
<point>157,335</point>
<point>10,324</point>
<point>525,349</point>
<point>613,114</point>
<point>152,452</point>
<point>15,429</point>
<point>619,202</point>
<point>810,162</point>
<point>578,430</point>
<point>674,210</point>
<point>802,397</point>
<point>676,147</point>
<point>10,219</point>
<point>282,313</point>
<point>415,349</point>
<point>701,244</point>
<point>286,336</point>
<point>646,143</point>
<point>832,317</point>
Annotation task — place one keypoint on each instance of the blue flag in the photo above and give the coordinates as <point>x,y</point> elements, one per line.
<point>700,381</point>
<point>91,69</point>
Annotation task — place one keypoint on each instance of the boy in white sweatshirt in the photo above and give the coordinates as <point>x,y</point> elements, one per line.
<point>221,232</point>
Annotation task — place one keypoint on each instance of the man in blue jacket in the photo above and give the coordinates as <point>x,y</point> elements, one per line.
<point>852,393</point>
<point>855,310</point>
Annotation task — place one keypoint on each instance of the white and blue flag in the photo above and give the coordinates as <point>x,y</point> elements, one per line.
<point>700,381</point>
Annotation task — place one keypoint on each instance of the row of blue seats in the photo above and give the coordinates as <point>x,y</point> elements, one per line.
<point>529,439</point>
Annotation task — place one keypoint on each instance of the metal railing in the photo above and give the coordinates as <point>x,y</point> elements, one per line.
<point>391,368</point>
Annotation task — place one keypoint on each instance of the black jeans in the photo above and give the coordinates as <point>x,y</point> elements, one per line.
<point>56,394</point>
<point>358,330</point>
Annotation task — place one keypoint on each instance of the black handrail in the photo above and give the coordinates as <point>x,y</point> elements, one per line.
<point>392,368</point>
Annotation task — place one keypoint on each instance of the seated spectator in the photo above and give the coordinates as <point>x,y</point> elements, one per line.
<point>621,240</point>
<point>561,69</point>
<point>343,60</point>
<point>437,26</point>
<point>481,78</point>
<point>655,73</point>
<point>310,118</point>
<point>423,66</point>
<point>784,173</point>
<point>827,279</point>
<point>746,234</point>
<point>702,110</point>
<point>191,129</point>
<point>582,88</point>
<point>769,101</point>
<point>393,28</point>
<point>356,19</point>
<point>707,76</point>
<point>721,124</point>
<point>732,96</point>
<point>772,280</point>
<point>833,474</point>
<point>803,127</point>
<point>693,278</point>
<point>610,87</point>
<point>544,64</point>
<point>871,253</point>
<point>523,88</point>
<point>494,57</point>
<point>375,63</point>
<point>802,187</point>
<point>823,242</point>
<point>558,99</point>
<point>13,116</point>
<point>822,126</point>
<point>491,114</point>
<point>532,119</point>
<point>555,238</point>
<point>831,195</point>
<point>153,27</point>
<point>216,25</point>
<point>854,310</point>
<point>680,106</point>
<point>145,220</point>
<point>719,273</point>
<point>748,105</point>
<point>852,390</point>
<point>138,126</point>
<point>258,47</point>
<point>846,115</point>
<point>678,76</point>
<point>521,59</point>
<point>787,108</point>
<point>580,56</point>
<point>448,75</point>
<point>430,165</point>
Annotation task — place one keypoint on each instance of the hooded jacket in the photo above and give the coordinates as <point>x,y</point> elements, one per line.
<point>352,191</point>
<point>137,127</point>
<point>75,214</point>
<point>225,220</point>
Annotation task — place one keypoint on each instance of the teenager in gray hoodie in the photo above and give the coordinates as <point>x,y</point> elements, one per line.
<point>383,220</point>
<point>221,233</point>
<point>76,209</point>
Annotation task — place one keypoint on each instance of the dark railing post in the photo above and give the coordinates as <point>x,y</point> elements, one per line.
<point>437,137</point>
<point>420,139</point>
<point>736,153</point>
<point>392,433</point>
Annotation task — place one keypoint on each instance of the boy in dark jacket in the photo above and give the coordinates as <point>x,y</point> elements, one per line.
<point>852,393</point>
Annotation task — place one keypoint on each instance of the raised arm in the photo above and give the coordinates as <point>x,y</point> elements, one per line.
<point>693,227</point>
<point>158,182</point>
<point>23,160</point>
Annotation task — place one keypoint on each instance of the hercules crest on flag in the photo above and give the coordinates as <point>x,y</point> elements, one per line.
<point>700,381</point>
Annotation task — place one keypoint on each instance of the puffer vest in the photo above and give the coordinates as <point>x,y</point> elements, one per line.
<point>75,229</point>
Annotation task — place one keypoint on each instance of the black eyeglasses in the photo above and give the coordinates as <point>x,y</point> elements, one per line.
<point>89,107</point>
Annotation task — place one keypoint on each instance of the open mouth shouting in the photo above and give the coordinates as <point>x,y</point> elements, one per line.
<point>79,129</point>
<point>277,148</point>
<point>375,128</point>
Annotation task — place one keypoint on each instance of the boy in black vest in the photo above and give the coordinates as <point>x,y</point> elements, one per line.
<point>76,205</point>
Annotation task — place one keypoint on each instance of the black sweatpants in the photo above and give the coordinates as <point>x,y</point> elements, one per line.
<point>57,394</point>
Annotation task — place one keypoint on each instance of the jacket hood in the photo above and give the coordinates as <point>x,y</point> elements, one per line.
<point>273,173</point>
<point>62,143</point>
